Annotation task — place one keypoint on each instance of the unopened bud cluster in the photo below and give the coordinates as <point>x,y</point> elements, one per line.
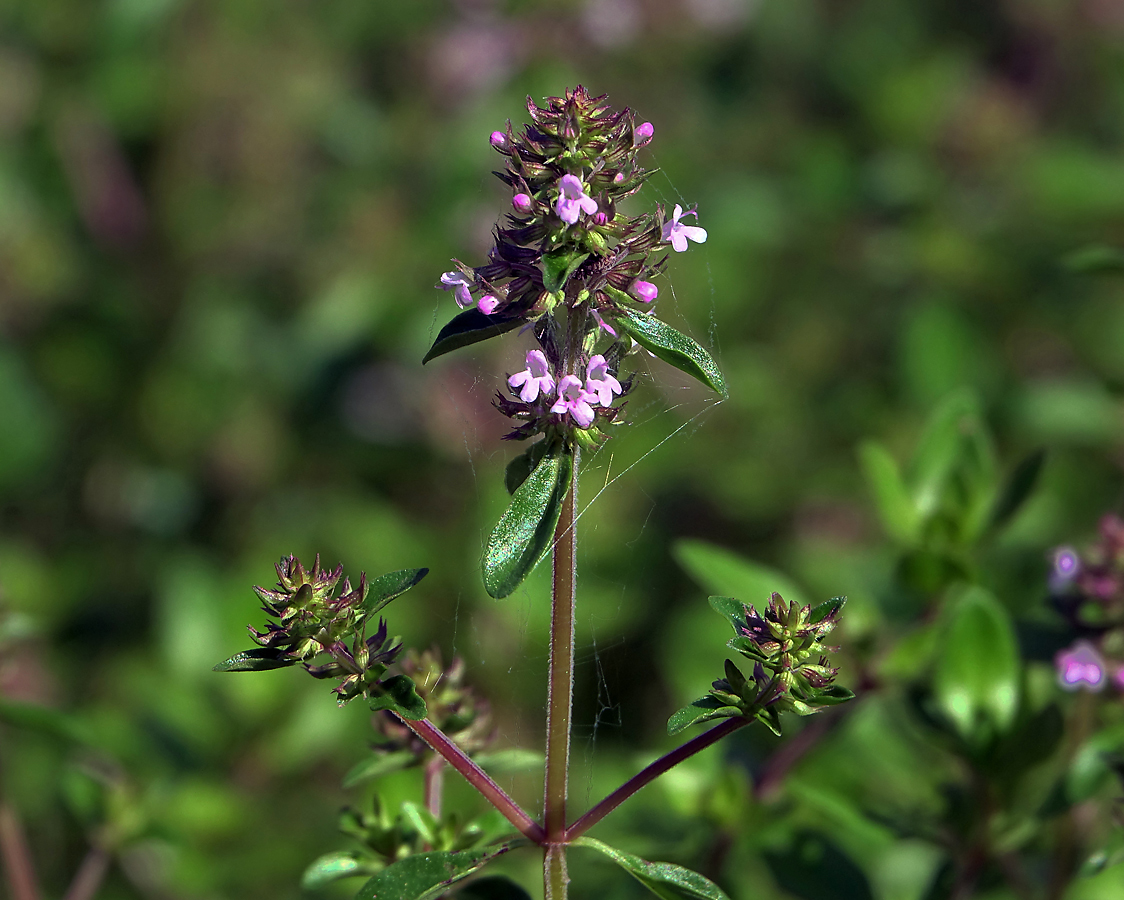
<point>452,706</point>
<point>312,619</point>
<point>1088,589</point>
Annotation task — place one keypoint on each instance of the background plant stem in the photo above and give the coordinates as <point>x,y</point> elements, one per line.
<point>18,869</point>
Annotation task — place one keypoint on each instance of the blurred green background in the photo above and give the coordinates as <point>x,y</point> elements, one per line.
<point>220,226</point>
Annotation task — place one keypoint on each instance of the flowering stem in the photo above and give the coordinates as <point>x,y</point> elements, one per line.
<point>652,772</point>
<point>560,690</point>
<point>477,777</point>
<point>17,857</point>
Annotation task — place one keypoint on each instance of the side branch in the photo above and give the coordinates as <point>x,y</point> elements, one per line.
<point>477,777</point>
<point>652,772</point>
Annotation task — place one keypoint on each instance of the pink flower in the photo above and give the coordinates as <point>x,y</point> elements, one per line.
<point>601,323</point>
<point>600,381</point>
<point>677,233</point>
<point>535,378</point>
<point>498,140</point>
<point>572,201</point>
<point>645,290</point>
<point>459,285</point>
<point>642,134</point>
<point>575,400</point>
<point>522,203</point>
<point>487,304</point>
<point>1080,666</point>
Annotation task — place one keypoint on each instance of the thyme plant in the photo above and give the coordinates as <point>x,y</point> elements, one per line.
<point>575,272</point>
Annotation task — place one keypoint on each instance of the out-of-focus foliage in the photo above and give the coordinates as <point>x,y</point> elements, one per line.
<point>220,225</point>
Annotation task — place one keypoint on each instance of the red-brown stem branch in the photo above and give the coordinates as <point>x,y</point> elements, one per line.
<point>652,772</point>
<point>478,778</point>
<point>89,876</point>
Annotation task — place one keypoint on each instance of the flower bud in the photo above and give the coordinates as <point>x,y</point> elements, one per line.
<point>487,304</point>
<point>646,291</point>
<point>600,219</point>
<point>498,140</point>
<point>642,134</point>
<point>522,203</point>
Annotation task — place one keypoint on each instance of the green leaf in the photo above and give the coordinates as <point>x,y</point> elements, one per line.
<point>977,673</point>
<point>558,267</point>
<point>380,764</point>
<point>814,868</point>
<point>665,880</point>
<point>705,709</point>
<point>896,509</point>
<point>673,348</point>
<point>1095,258</point>
<point>260,659</point>
<point>514,759</point>
<point>526,528</point>
<point>771,719</point>
<point>1018,488</point>
<point>492,887</point>
<point>832,696</point>
<point>399,694</point>
<point>393,584</point>
<point>332,867</point>
<point>428,875</point>
<point>523,465</point>
<point>44,720</point>
<point>471,327</point>
<point>954,438</point>
<point>730,607</point>
<point>724,572</point>
<point>827,608</point>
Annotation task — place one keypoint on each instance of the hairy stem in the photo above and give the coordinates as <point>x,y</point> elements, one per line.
<point>477,777</point>
<point>89,876</point>
<point>560,694</point>
<point>651,773</point>
<point>18,868</point>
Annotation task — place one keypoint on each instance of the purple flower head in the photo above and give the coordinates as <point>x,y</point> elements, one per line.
<point>642,134</point>
<point>534,379</point>
<point>572,201</point>
<point>487,304</point>
<point>498,140</point>
<point>1080,666</point>
<point>600,219</point>
<point>601,323</point>
<point>645,290</point>
<point>575,400</point>
<point>522,203</point>
<point>677,233</point>
<point>459,285</point>
<point>1067,564</point>
<point>600,381</point>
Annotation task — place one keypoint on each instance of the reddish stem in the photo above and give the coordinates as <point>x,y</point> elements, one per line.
<point>652,772</point>
<point>477,777</point>
<point>17,857</point>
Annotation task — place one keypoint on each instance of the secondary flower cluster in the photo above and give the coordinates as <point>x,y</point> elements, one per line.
<point>545,400</point>
<point>1088,589</point>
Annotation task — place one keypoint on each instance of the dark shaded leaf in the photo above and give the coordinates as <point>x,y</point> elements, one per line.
<point>428,875</point>
<point>1095,258</point>
<point>558,267</point>
<point>815,869</point>
<point>827,608</point>
<point>260,659</point>
<point>471,327</point>
<point>492,887</point>
<point>665,880</point>
<point>673,347</point>
<point>393,584</point>
<point>523,465</point>
<point>378,764</point>
<point>526,528</point>
<point>1018,488</point>
<point>705,709</point>
<point>399,694</point>
<point>833,695</point>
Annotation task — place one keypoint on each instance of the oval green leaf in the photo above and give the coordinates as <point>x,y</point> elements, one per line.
<point>379,764</point>
<point>665,880</point>
<point>393,584</point>
<point>705,709</point>
<point>428,875</point>
<point>471,327</point>
<point>260,659</point>
<point>673,347</point>
<point>525,530</point>
<point>557,268</point>
<point>331,867</point>
<point>399,695</point>
<point>724,572</point>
